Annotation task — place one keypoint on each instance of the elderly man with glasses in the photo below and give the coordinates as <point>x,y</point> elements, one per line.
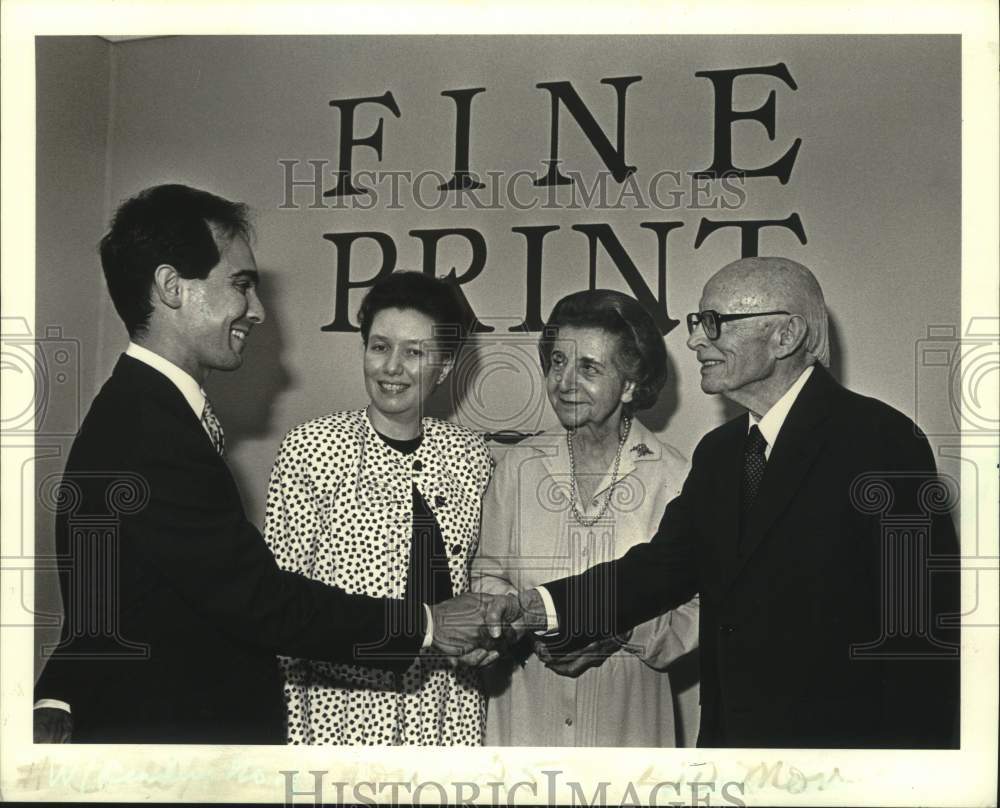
<point>809,525</point>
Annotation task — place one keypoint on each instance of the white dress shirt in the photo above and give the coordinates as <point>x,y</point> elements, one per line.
<point>772,421</point>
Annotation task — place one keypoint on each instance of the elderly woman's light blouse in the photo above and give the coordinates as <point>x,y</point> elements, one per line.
<point>529,536</point>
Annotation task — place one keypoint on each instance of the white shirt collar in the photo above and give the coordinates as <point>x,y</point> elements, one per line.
<point>770,425</point>
<point>189,388</point>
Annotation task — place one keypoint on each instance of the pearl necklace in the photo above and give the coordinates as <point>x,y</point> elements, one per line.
<point>614,476</point>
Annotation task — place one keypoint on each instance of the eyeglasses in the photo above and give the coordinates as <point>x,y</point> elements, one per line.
<point>712,321</point>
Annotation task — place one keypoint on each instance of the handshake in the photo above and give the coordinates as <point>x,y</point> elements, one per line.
<point>476,628</point>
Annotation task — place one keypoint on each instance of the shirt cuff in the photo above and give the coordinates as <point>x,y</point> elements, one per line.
<point>429,636</point>
<point>53,704</point>
<point>551,616</point>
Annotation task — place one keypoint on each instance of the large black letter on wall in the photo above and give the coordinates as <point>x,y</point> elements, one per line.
<point>613,157</point>
<point>604,234</point>
<point>750,232</point>
<point>725,116</point>
<point>344,242</point>
<point>348,141</point>
<point>430,238</point>
<point>462,178</point>
<point>534,235</point>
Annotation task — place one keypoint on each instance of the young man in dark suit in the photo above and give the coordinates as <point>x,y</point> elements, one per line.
<point>808,526</point>
<point>174,617</point>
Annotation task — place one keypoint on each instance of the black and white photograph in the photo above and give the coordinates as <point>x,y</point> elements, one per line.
<point>558,405</point>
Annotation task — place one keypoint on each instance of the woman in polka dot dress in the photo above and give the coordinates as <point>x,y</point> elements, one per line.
<point>384,502</point>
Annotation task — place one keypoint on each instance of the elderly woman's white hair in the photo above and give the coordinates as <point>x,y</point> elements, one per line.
<point>786,284</point>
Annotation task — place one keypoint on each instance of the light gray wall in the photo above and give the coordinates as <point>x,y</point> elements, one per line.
<point>73,107</point>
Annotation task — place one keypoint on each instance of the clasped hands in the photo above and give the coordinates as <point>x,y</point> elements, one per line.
<point>476,629</point>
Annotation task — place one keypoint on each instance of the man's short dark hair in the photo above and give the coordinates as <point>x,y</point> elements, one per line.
<point>432,297</point>
<point>166,224</point>
<point>641,356</point>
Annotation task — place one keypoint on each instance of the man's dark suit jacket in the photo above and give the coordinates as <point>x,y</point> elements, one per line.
<point>158,559</point>
<point>833,558</point>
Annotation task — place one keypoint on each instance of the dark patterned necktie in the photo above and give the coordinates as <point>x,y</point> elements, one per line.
<point>214,428</point>
<point>753,469</point>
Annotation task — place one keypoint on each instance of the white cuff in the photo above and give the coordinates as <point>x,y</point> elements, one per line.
<point>551,616</point>
<point>53,704</point>
<point>429,636</point>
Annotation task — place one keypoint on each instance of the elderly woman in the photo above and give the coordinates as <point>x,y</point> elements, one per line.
<point>383,501</point>
<point>562,502</point>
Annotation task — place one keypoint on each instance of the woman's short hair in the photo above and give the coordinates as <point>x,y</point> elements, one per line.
<point>641,356</point>
<point>432,297</point>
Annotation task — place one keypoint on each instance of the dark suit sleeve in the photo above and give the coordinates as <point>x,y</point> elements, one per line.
<point>650,579</point>
<point>195,532</point>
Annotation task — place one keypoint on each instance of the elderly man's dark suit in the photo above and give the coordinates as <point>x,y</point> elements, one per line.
<point>792,610</point>
<point>197,587</point>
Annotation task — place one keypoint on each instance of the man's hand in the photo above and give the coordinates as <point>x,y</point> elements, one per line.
<point>52,725</point>
<point>575,663</point>
<point>459,630</point>
<point>509,617</point>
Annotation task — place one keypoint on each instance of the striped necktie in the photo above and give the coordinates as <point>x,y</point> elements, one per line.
<point>211,423</point>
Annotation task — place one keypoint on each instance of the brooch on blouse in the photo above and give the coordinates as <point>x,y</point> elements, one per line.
<point>642,449</point>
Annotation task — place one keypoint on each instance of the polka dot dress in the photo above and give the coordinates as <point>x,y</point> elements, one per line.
<point>340,510</point>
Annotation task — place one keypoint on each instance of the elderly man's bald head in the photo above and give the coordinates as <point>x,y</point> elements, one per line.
<point>779,283</point>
